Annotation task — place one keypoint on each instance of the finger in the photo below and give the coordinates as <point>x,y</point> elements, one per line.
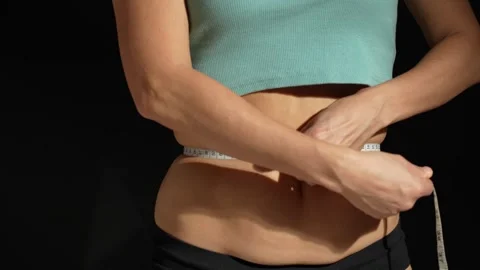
<point>381,216</point>
<point>421,171</point>
<point>427,188</point>
<point>360,142</point>
<point>307,124</point>
<point>261,169</point>
<point>372,212</point>
<point>427,172</point>
<point>357,145</point>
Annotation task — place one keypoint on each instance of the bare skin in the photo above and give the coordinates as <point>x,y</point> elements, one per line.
<point>264,216</point>
<point>231,207</point>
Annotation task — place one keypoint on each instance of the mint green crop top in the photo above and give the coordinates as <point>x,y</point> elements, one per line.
<point>253,45</point>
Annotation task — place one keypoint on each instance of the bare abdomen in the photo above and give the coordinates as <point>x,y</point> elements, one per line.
<point>266,218</point>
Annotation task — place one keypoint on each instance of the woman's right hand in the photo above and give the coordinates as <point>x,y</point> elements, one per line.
<point>382,184</point>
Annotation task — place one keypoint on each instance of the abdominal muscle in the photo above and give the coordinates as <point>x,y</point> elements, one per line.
<point>227,206</point>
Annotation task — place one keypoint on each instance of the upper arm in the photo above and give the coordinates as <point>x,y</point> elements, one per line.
<point>152,35</point>
<point>441,18</point>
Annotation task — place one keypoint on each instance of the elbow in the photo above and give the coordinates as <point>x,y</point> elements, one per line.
<point>145,112</point>
<point>147,104</point>
<point>149,96</point>
<point>471,49</point>
<point>474,59</point>
<point>477,60</point>
<point>145,98</point>
<point>155,100</point>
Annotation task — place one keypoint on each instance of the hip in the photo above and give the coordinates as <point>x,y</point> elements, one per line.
<point>226,206</point>
<point>171,253</point>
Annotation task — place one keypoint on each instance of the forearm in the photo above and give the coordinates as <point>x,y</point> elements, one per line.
<point>448,69</point>
<point>191,102</point>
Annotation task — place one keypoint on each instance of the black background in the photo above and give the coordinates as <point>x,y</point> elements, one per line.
<point>82,168</point>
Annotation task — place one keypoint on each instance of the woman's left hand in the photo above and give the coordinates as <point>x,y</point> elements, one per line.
<point>350,121</point>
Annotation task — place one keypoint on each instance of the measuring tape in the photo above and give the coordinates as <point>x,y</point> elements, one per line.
<point>442,259</point>
<point>205,153</point>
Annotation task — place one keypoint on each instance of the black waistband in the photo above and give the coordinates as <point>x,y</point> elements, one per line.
<point>389,253</point>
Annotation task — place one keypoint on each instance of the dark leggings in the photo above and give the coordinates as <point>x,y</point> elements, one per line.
<point>389,253</point>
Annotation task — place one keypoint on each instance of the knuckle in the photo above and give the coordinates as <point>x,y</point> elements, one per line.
<point>407,205</point>
<point>411,203</point>
<point>315,132</point>
<point>424,188</point>
<point>418,190</point>
<point>415,190</point>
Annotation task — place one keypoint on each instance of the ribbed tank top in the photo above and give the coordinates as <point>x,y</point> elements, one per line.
<point>252,45</point>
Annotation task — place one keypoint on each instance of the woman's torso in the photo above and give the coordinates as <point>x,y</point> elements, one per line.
<point>250,45</point>
<point>229,207</point>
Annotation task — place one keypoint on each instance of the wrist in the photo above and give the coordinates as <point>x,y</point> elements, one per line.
<point>328,160</point>
<point>379,98</point>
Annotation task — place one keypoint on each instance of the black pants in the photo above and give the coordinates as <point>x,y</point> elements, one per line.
<point>389,253</point>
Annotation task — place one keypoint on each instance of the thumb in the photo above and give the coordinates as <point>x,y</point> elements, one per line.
<point>427,172</point>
